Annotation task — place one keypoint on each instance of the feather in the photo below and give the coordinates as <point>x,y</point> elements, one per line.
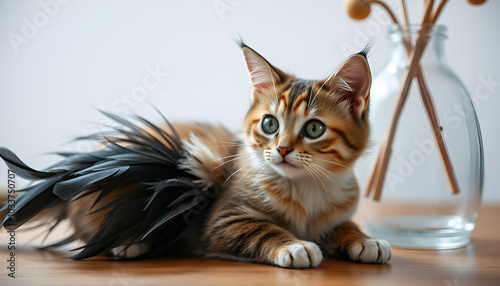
<point>157,206</point>
<point>21,169</point>
<point>71,188</point>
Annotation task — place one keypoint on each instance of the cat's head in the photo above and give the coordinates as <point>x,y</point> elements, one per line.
<point>299,127</point>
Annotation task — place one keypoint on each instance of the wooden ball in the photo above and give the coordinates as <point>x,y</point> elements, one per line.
<point>357,9</point>
<point>476,2</point>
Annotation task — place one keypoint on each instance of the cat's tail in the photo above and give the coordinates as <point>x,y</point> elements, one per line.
<point>161,201</point>
<point>209,163</point>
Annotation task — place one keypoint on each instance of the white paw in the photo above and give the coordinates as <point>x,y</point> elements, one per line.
<point>303,254</point>
<point>130,252</point>
<point>371,251</point>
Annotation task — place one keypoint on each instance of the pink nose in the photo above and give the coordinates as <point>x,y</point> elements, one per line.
<point>284,150</point>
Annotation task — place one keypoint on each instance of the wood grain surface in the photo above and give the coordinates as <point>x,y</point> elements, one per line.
<point>476,264</point>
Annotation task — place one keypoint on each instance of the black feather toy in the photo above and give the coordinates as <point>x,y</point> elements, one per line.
<point>159,209</point>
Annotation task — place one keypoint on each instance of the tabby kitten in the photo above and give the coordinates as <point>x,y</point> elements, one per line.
<point>286,186</point>
<point>292,192</point>
<point>288,190</point>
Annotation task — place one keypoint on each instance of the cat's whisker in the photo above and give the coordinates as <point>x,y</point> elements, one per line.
<point>312,175</point>
<point>229,161</point>
<point>231,156</point>
<point>322,171</point>
<point>264,163</point>
<point>234,173</point>
<point>315,172</point>
<point>331,162</point>
<point>223,146</point>
<point>233,143</point>
<point>253,169</point>
<point>320,89</point>
<point>325,189</point>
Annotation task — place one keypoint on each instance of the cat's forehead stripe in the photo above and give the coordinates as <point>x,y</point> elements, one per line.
<point>295,95</point>
<point>296,90</point>
<point>282,102</point>
<point>301,103</point>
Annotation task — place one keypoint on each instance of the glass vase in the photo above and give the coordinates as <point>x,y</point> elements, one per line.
<point>416,208</point>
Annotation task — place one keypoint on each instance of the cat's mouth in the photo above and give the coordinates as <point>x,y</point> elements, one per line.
<point>286,164</point>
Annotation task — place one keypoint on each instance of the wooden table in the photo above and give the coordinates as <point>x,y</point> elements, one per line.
<point>476,264</point>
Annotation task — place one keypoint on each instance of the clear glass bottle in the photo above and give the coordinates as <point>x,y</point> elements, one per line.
<point>416,209</point>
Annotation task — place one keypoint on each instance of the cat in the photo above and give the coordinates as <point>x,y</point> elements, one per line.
<point>286,190</point>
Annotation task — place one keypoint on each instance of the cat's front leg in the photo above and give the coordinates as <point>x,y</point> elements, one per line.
<point>349,241</point>
<point>249,239</point>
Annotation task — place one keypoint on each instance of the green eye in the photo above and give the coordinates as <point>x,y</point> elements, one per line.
<point>314,129</point>
<point>270,124</point>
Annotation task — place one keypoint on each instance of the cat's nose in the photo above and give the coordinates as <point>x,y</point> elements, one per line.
<point>284,150</point>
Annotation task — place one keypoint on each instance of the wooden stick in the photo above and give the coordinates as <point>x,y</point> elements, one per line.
<point>431,113</point>
<point>385,150</point>
<point>394,19</point>
<point>428,11</point>
<point>438,136</point>
<point>438,11</point>
<point>377,166</point>
<point>407,41</point>
<point>377,176</point>
<point>405,14</point>
<point>425,6</point>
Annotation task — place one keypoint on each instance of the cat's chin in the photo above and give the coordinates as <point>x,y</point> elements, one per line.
<point>288,170</point>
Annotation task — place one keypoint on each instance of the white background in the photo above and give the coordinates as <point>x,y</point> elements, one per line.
<point>61,61</point>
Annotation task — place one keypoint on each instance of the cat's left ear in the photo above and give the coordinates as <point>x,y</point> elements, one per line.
<point>263,75</point>
<point>353,80</point>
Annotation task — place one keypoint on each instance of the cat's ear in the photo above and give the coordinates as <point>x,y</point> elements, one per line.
<point>352,80</point>
<point>262,73</point>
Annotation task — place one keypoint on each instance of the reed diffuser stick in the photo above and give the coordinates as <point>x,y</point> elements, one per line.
<point>379,170</point>
<point>377,176</point>
<point>360,9</point>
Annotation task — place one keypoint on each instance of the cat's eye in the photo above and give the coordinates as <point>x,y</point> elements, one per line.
<point>270,124</point>
<point>314,129</point>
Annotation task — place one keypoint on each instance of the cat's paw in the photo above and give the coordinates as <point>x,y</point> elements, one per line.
<point>132,251</point>
<point>370,251</point>
<point>301,254</point>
